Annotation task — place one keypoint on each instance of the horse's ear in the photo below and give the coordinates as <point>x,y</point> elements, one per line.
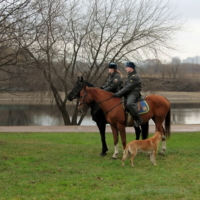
<point>81,78</point>
<point>78,78</point>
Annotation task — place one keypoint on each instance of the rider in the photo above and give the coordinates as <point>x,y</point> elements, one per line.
<point>114,81</point>
<point>131,90</point>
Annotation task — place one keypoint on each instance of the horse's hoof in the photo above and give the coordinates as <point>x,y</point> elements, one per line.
<point>114,158</point>
<point>103,154</point>
<point>161,153</point>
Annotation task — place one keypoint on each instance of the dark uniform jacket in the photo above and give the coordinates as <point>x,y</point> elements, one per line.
<point>113,83</point>
<point>133,85</point>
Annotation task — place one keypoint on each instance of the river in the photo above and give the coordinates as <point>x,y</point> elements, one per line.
<point>48,115</point>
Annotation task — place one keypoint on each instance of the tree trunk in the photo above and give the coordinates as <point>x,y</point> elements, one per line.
<point>65,115</point>
<point>75,114</point>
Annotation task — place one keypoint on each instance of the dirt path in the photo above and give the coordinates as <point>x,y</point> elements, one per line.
<point>85,129</point>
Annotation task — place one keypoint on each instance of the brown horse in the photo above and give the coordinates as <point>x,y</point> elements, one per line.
<point>159,111</point>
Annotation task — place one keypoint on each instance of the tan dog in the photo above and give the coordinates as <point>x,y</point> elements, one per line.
<point>149,145</point>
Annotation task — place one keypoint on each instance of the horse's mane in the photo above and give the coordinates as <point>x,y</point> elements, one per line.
<point>101,91</point>
<point>88,84</point>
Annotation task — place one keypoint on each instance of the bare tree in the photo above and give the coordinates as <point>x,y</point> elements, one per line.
<point>173,68</point>
<point>163,69</point>
<point>11,13</point>
<point>123,30</point>
<point>61,38</point>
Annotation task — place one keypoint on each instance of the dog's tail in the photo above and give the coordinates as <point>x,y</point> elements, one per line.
<point>125,155</point>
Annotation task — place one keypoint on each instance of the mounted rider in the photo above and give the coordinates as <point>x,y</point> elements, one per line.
<point>132,91</point>
<point>114,81</point>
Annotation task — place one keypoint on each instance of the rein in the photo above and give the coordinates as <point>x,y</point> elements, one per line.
<point>112,108</point>
<point>104,100</point>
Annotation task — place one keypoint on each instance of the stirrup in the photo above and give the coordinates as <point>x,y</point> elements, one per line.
<point>137,124</point>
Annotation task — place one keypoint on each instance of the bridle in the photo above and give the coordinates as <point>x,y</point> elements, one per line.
<point>75,93</point>
<point>85,105</point>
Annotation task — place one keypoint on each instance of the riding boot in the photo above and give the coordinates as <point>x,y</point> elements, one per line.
<point>138,121</point>
<point>133,110</point>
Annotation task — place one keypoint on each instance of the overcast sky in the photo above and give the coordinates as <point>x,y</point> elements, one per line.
<point>188,40</point>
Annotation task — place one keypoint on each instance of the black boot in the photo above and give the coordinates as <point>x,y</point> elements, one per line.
<point>133,111</point>
<point>137,122</point>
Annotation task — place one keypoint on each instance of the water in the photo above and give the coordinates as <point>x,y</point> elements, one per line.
<point>48,115</point>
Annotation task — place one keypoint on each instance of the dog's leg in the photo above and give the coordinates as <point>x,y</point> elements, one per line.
<point>151,157</point>
<point>133,154</point>
<point>163,146</point>
<point>154,157</point>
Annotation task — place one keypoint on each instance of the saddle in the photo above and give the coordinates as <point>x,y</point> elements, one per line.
<point>142,106</point>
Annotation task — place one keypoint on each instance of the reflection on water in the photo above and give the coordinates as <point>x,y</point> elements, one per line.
<point>185,116</point>
<point>34,115</point>
<point>48,115</point>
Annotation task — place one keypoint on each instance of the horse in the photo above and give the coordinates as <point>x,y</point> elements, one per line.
<point>159,111</point>
<point>99,117</point>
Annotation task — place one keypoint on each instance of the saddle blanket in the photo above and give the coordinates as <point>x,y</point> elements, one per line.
<point>143,107</point>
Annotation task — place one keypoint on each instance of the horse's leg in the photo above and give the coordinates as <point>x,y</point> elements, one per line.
<point>122,131</point>
<point>145,130</point>
<point>160,128</point>
<point>137,132</point>
<point>115,138</point>
<point>162,152</point>
<point>102,129</point>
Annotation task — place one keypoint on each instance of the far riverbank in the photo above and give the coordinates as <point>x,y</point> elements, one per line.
<point>41,98</point>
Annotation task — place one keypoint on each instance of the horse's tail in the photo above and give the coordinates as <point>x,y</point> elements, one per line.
<point>168,123</point>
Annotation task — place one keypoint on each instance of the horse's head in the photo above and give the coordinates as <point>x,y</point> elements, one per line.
<point>74,93</point>
<point>84,99</point>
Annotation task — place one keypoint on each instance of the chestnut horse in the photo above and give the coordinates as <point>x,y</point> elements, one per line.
<point>159,111</point>
<point>99,117</point>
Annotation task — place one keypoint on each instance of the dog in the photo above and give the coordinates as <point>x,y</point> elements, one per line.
<point>149,145</point>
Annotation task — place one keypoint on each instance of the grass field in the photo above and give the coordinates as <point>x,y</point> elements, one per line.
<point>48,166</point>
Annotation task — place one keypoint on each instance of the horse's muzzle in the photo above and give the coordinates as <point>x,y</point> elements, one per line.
<point>82,107</point>
<point>81,110</point>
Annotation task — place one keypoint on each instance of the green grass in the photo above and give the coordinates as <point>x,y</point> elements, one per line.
<point>42,166</point>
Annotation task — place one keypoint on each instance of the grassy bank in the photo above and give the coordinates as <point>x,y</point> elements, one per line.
<point>45,166</point>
